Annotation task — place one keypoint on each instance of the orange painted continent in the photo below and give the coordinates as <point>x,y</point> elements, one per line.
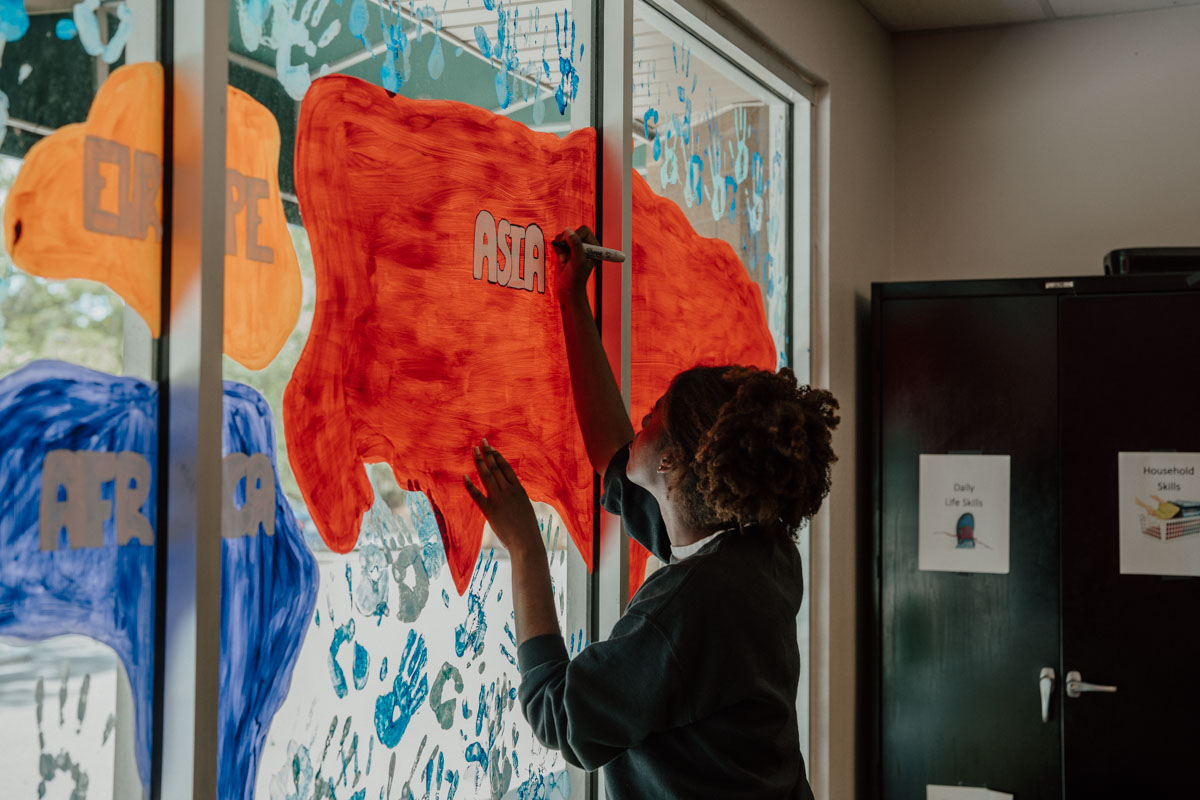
<point>87,203</point>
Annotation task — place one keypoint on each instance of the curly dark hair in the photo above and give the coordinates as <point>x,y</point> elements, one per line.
<point>755,447</point>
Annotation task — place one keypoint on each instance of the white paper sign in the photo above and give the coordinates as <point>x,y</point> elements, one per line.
<point>963,513</point>
<point>1159,504</point>
<point>963,793</point>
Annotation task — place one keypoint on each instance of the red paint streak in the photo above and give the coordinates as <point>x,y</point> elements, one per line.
<point>411,360</point>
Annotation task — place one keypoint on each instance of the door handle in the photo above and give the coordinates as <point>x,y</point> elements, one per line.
<point>1046,687</point>
<point>1076,686</point>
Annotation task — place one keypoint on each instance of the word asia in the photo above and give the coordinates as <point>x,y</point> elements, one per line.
<point>516,272</point>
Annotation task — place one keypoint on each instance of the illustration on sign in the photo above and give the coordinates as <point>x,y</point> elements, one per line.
<point>963,519</point>
<point>965,531</point>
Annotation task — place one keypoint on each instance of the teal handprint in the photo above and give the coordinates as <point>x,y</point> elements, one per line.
<point>395,709</point>
<point>740,153</point>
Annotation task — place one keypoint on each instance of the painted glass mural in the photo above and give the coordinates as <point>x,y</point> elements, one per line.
<point>80,446</point>
<point>120,149</point>
<point>78,434</point>
<point>405,680</point>
<point>394,171</point>
<point>76,528</point>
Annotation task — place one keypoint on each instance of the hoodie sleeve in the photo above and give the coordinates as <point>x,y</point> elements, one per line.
<point>636,507</point>
<point>608,698</point>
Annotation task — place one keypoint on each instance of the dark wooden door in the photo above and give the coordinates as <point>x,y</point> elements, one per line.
<point>960,654</point>
<point>1129,383</point>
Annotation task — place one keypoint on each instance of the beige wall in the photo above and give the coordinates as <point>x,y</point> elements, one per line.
<point>1034,150</point>
<point>839,43</point>
<point>1004,152</point>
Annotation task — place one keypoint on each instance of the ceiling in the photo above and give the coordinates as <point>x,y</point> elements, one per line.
<point>920,15</point>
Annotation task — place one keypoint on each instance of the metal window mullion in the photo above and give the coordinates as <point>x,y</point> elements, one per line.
<point>616,231</point>
<point>614,65</point>
<point>137,344</point>
<point>580,584</point>
<point>137,348</point>
<point>820,529</point>
<point>800,238</point>
<point>196,42</point>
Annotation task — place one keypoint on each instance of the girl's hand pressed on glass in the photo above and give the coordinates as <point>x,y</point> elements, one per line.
<point>503,501</point>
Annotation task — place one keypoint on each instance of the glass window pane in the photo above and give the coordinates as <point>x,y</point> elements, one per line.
<point>395,653</point>
<point>717,143</point>
<point>80,180</point>
<point>711,211</point>
<point>720,216</point>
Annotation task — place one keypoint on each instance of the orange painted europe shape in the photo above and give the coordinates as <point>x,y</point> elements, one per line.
<point>87,203</point>
<point>435,324</point>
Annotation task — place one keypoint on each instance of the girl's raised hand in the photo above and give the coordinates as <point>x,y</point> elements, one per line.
<point>504,502</point>
<point>574,268</point>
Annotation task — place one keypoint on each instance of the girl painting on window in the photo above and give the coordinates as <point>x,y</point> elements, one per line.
<point>694,693</point>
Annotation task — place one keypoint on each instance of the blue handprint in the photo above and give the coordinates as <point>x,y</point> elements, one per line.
<point>754,204</point>
<point>512,639</point>
<point>395,709</point>
<point>739,154</point>
<point>337,675</point>
<point>568,81</point>
<point>669,174</point>
<point>695,181</point>
<point>650,125</point>
<point>473,630</point>
<point>731,193</point>
<point>492,754</point>
<point>87,26</point>
<point>288,32</point>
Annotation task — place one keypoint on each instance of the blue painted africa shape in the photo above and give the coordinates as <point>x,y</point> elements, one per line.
<point>106,592</point>
<point>268,593</point>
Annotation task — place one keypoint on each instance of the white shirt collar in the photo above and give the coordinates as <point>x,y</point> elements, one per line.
<point>687,550</point>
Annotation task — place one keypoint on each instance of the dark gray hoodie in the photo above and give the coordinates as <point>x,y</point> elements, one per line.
<point>694,693</point>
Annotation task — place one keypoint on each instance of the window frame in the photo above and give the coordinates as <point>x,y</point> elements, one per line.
<point>192,41</point>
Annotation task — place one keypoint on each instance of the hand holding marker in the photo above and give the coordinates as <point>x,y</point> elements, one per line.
<point>592,251</point>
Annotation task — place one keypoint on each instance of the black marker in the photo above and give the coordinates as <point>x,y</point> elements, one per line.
<point>593,251</point>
